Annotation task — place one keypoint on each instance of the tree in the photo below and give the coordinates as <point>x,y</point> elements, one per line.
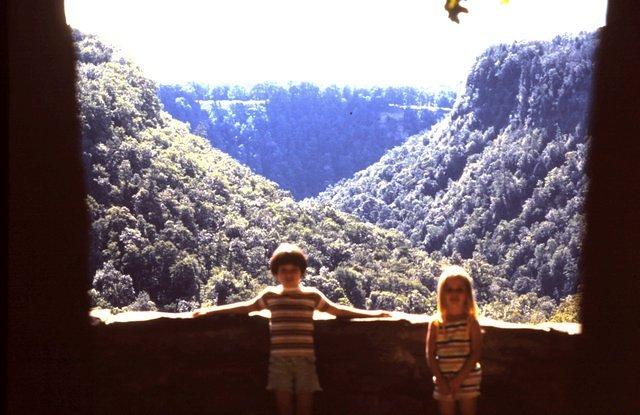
<point>114,287</point>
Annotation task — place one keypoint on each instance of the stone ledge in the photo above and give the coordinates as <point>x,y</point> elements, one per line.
<point>150,362</point>
<point>104,316</point>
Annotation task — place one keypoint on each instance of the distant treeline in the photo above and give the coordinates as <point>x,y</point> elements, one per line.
<point>301,136</point>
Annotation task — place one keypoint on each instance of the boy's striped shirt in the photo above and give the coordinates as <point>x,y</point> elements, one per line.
<point>291,324</point>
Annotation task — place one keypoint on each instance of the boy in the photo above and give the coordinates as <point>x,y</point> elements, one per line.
<point>292,370</point>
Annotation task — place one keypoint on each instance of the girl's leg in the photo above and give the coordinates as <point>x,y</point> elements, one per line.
<point>447,407</point>
<point>468,406</point>
<point>284,402</point>
<point>304,403</point>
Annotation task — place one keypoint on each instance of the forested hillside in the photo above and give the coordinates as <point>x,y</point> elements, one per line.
<point>501,178</point>
<point>301,136</point>
<point>177,224</point>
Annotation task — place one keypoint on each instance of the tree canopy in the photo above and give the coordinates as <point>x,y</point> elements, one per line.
<point>177,223</point>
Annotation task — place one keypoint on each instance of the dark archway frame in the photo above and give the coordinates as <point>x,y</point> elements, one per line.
<point>50,342</point>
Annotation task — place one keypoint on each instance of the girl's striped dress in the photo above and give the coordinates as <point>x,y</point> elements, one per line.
<point>453,348</point>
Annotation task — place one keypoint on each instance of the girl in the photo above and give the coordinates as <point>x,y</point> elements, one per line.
<point>454,343</point>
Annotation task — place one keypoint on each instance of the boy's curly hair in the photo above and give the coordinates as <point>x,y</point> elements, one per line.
<point>287,253</point>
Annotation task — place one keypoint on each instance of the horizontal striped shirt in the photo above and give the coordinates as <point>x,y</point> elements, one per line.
<point>291,324</point>
<point>453,348</point>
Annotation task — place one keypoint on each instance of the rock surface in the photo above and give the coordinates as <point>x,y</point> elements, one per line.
<point>170,363</point>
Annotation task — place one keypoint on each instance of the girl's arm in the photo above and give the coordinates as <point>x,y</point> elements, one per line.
<point>431,348</point>
<point>475,335</point>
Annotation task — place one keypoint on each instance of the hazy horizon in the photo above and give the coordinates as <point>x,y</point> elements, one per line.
<point>372,44</point>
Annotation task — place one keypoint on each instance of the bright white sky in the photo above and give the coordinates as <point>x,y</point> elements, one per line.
<point>354,42</point>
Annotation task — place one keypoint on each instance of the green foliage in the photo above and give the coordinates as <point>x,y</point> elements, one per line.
<point>526,308</point>
<point>303,137</point>
<point>568,310</point>
<point>142,303</point>
<point>112,286</point>
<point>501,178</point>
<point>177,224</point>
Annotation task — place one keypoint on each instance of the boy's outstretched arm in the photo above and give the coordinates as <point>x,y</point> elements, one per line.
<point>339,310</point>
<point>242,307</point>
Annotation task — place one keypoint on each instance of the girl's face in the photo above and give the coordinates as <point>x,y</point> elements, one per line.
<point>455,296</point>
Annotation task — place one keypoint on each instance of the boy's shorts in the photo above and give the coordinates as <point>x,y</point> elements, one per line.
<point>293,373</point>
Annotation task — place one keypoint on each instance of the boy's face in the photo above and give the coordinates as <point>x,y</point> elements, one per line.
<point>289,275</point>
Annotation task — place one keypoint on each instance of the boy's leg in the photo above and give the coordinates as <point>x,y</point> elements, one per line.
<point>468,406</point>
<point>281,383</point>
<point>306,384</point>
<point>447,407</point>
<point>304,403</point>
<point>284,402</point>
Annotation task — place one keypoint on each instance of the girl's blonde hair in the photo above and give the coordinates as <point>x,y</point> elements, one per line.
<point>456,271</point>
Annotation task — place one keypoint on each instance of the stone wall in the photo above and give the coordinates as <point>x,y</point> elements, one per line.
<point>160,363</point>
